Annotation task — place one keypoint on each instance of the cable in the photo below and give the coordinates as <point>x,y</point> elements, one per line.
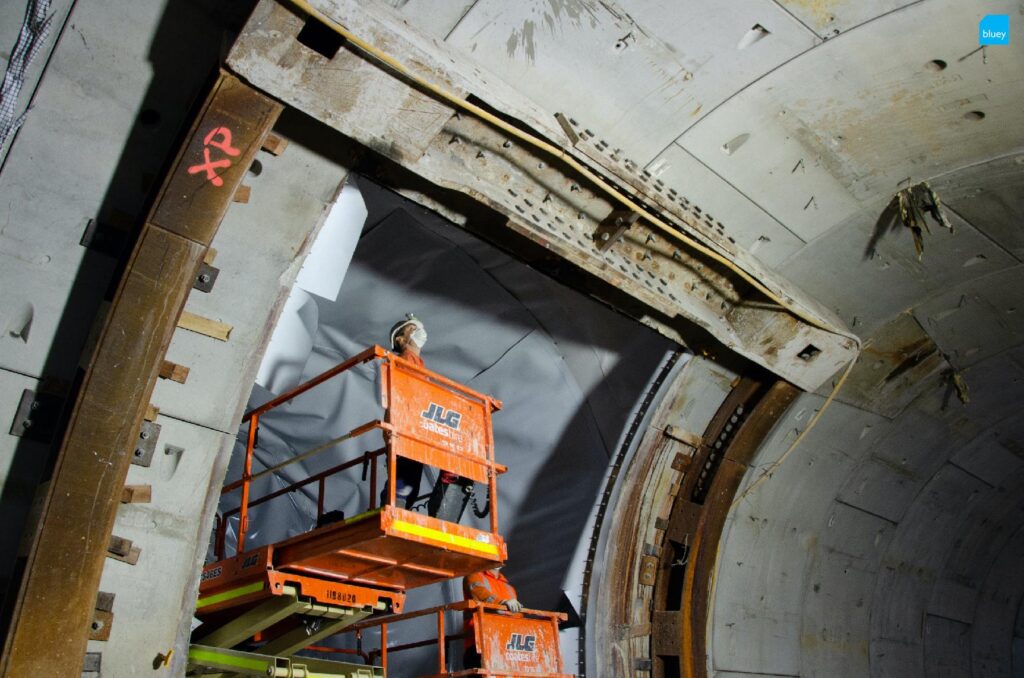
<point>477,511</point>
<point>811,424</point>
<point>562,155</point>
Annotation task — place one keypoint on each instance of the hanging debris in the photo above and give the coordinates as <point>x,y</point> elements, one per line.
<point>956,378</point>
<point>914,203</point>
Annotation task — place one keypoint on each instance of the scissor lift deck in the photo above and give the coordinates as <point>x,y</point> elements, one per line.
<point>391,548</point>
<point>388,550</point>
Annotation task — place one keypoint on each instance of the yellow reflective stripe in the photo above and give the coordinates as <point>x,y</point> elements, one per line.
<point>200,655</point>
<point>230,595</point>
<point>361,516</point>
<point>438,535</point>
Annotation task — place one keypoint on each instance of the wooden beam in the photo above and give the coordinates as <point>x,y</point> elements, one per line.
<point>136,494</point>
<point>173,371</point>
<point>275,144</point>
<point>211,328</point>
<point>69,546</point>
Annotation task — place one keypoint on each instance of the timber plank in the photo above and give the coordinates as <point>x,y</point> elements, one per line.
<point>211,328</point>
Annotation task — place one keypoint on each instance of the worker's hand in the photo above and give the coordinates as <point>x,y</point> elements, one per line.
<point>512,605</point>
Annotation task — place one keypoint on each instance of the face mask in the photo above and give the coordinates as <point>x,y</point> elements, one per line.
<point>419,337</point>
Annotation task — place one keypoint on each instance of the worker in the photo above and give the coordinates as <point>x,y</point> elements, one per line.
<point>408,337</point>
<point>451,492</point>
<point>488,586</point>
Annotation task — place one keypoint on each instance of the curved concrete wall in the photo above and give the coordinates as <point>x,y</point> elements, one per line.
<point>883,548</point>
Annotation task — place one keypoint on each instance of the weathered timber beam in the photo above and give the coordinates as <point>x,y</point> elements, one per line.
<point>698,516</point>
<point>540,196</point>
<point>56,602</point>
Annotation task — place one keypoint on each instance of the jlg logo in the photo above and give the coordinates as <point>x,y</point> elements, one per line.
<point>438,414</point>
<point>520,643</point>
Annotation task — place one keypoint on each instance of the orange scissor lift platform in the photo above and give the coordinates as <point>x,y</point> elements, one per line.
<point>347,570</point>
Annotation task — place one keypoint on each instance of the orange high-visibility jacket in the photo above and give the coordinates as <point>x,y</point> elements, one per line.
<point>412,357</point>
<point>487,588</point>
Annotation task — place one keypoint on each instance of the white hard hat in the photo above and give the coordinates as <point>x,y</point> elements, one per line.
<point>410,319</point>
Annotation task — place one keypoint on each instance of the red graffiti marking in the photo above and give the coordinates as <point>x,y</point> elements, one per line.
<point>219,138</point>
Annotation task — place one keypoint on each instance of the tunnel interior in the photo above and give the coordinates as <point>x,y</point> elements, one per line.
<point>875,524</point>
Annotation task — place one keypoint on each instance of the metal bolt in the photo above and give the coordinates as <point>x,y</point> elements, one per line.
<point>144,434</point>
<point>204,278</point>
<point>27,423</point>
<point>34,405</point>
<point>605,236</point>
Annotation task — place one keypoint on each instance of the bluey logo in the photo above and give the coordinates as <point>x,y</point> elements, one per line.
<point>438,414</point>
<point>517,642</point>
<point>994,29</point>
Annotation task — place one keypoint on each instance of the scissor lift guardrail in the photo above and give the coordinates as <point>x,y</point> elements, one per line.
<point>523,644</point>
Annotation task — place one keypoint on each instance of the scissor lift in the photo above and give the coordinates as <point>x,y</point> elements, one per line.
<point>261,606</point>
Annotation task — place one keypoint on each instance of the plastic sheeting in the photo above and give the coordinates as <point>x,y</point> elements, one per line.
<point>568,369</point>
<point>321,274</point>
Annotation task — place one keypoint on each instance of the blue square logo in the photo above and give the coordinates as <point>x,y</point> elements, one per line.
<point>994,29</point>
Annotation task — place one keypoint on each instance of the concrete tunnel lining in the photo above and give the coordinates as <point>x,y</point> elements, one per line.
<point>883,546</point>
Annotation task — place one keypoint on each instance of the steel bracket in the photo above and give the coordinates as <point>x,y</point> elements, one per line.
<point>145,446</point>
<point>104,238</point>
<point>206,277</point>
<point>614,226</point>
<point>92,666</point>
<point>37,416</point>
